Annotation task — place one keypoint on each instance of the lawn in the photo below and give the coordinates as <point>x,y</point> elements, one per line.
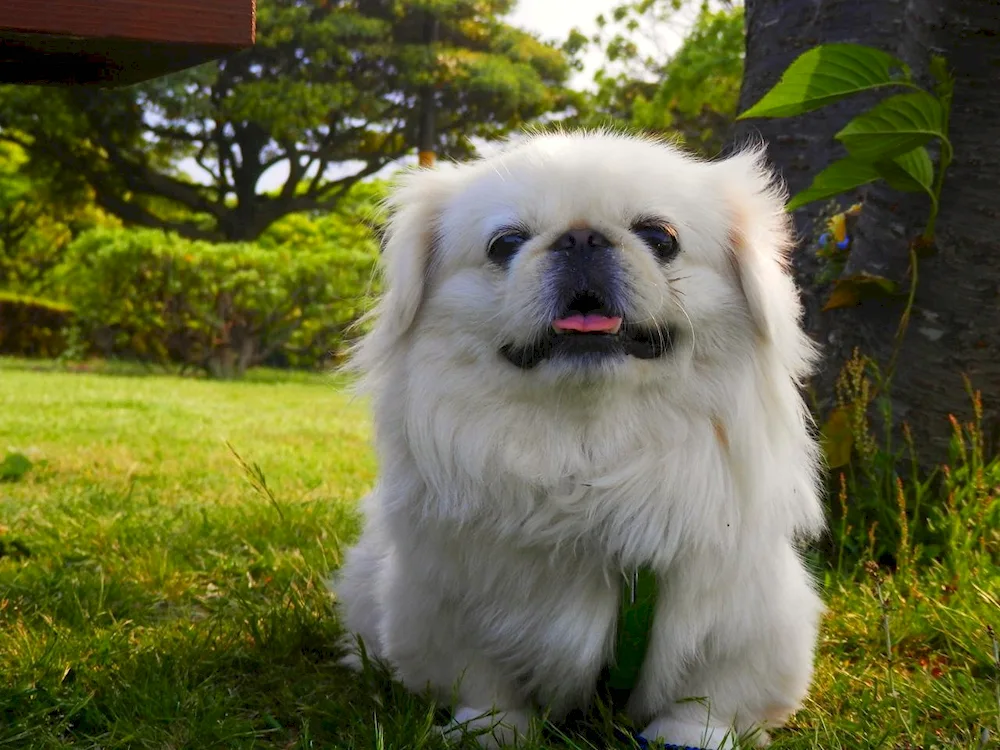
<point>154,595</point>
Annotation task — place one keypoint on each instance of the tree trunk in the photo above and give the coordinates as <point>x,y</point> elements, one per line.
<point>427,135</point>
<point>956,324</point>
<point>955,327</point>
<point>777,32</point>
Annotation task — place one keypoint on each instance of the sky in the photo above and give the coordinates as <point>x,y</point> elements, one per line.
<point>551,19</point>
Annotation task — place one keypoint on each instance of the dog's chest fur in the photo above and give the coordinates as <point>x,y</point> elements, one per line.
<point>623,497</point>
<point>546,617</point>
<point>525,524</point>
<point>533,573</point>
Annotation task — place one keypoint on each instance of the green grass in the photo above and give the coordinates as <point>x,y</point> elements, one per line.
<point>150,597</point>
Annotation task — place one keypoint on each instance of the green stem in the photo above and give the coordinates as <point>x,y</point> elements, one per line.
<point>904,322</point>
<point>947,153</point>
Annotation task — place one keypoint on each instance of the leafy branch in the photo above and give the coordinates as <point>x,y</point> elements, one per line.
<point>886,142</point>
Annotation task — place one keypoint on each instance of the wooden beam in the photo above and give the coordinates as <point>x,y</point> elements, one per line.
<point>114,42</point>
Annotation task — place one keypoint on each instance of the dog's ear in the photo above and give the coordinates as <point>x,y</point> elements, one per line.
<point>407,244</point>
<point>760,239</point>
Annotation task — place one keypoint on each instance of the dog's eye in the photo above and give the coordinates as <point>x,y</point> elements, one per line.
<point>661,238</point>
<point>505,245</point>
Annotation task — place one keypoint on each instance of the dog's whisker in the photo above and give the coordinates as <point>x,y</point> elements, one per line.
<point>694,340</point>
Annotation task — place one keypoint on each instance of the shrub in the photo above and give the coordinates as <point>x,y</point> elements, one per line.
<point>33,327</point>
<point>157,297</point>
<point>350,224</point>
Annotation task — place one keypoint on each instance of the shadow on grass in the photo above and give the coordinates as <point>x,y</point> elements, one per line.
<point>273,684</point>
<point>253,671</point>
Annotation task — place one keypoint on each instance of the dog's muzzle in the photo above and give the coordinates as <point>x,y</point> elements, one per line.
<point>589,321</point>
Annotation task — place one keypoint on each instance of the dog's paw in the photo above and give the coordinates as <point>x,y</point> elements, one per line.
<point>668,731</point>
<point>350,654</point>
<point>352,661</point>
<point>355,656</point>
<point>491,729</point>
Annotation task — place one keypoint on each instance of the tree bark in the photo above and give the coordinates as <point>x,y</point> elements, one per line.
<point>955,331</point>
<point>955,325</point>
<point>427,136</point>
<point>777,32</point>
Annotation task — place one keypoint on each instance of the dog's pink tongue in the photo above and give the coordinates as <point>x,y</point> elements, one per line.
<point>588,324</point>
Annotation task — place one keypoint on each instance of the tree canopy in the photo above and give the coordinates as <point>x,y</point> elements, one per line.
<point>330,90</point>
<point>691,93</point>
<point>37,222</point>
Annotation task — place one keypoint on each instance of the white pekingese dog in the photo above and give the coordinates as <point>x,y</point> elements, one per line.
<point>587,362</point>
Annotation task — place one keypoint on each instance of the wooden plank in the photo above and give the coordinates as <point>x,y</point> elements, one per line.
<point>223,22</point>
<point>114,42</point>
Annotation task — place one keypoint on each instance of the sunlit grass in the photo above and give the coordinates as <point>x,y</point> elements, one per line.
<point>150,597</point>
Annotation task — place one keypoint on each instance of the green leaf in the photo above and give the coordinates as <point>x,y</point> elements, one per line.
<point>837,438</point>
<point>637,605</point>
<point>893,126</point>
<point>944,82</point>
<point>14,466</point>
<point>938,68</point>
<point>827,74</point>
<point>839,177</point>
<point>848,291</point>
<point>911,172</point>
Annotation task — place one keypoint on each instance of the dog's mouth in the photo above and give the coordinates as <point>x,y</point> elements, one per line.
<point>588,330</point>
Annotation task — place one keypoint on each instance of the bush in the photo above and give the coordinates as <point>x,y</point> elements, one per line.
<point>157,297</point>
<point>33,327</point>
<point>350,224</point>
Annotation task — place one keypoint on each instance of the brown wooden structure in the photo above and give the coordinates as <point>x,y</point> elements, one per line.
<point>115,42</point>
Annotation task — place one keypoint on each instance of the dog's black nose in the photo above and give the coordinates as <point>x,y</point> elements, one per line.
<point>586,274</point>
<point>578,239</point>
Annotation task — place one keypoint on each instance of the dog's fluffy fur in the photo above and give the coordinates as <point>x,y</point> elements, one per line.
<point>511,501</point>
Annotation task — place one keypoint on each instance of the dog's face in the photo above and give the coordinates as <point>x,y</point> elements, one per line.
<point>589,256</point>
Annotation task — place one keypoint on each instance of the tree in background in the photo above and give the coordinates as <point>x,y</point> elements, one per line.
<point>37,222</point>
<point>954,329</point>
<point>331,87</point>
<point>691,93</point>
